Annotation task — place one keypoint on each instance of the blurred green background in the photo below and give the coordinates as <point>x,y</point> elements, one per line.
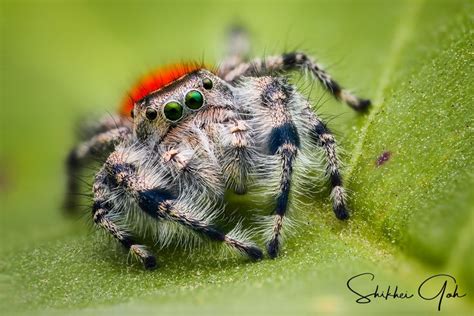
<point>412,217</point>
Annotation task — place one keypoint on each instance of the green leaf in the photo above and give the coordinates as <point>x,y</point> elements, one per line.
<point>412,215</point>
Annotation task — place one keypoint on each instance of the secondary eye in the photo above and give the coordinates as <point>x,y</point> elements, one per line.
<point>194,99</point>
<point>173,111</point>
<point>207,83</point>
<point>150,114</point>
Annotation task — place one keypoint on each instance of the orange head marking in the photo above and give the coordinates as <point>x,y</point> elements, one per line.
<point>156,80</point>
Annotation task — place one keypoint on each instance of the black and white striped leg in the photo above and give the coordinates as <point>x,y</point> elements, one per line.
<point>99,146</point>
<point>322,136</point>
<point>160,203</point>
<point>283,141</point>
<point>287,151</point>
<point>297,61</point>
<point>102,215</point>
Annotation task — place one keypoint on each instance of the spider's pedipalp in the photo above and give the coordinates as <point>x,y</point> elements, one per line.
<point>190,158</point>
<point>238,154</point>
<point>296,61</point>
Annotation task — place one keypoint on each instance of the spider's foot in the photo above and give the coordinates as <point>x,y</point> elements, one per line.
<point>273,248</point>
<point>150,263</point>
<point>363,105</point>
<point>254,253</point>
<point>341,212</point>
<point>144,256</point>
<point>353,101</point>
<point>250,250</point>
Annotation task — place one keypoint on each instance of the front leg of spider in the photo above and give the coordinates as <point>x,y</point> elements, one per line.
<point>160,203</point>
<point>104,217</point>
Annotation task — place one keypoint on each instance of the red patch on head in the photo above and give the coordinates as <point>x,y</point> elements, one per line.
<point>156,80</point>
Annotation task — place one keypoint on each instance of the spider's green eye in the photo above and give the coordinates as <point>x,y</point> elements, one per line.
<point>194,99</point>
<point>173,111</point>
<point>207,83</point>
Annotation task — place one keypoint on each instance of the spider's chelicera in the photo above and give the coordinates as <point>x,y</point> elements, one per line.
<point>187,134</point>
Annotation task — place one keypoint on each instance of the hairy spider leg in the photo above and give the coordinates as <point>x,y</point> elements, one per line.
<point>322,136</point>
<point>102,213</point>
<point>96,147</point>
<point>270,98</point>
<point>161,203</point>
<point>301,62</point>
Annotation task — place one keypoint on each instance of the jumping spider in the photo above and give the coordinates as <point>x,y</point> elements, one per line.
<point>187,134</point>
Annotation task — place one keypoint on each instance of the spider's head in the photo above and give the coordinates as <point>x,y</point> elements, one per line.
<point>172,98</point>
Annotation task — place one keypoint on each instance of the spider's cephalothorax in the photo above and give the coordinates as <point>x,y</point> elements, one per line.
<point>188,134</point>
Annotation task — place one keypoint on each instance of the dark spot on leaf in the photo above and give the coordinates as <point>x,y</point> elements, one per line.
<point>383,158</point>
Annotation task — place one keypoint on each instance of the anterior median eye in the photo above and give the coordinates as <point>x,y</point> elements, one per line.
<point>194,99</point>
<point>173,111</point>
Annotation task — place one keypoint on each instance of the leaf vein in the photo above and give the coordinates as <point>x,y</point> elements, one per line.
<point>401,37</point>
